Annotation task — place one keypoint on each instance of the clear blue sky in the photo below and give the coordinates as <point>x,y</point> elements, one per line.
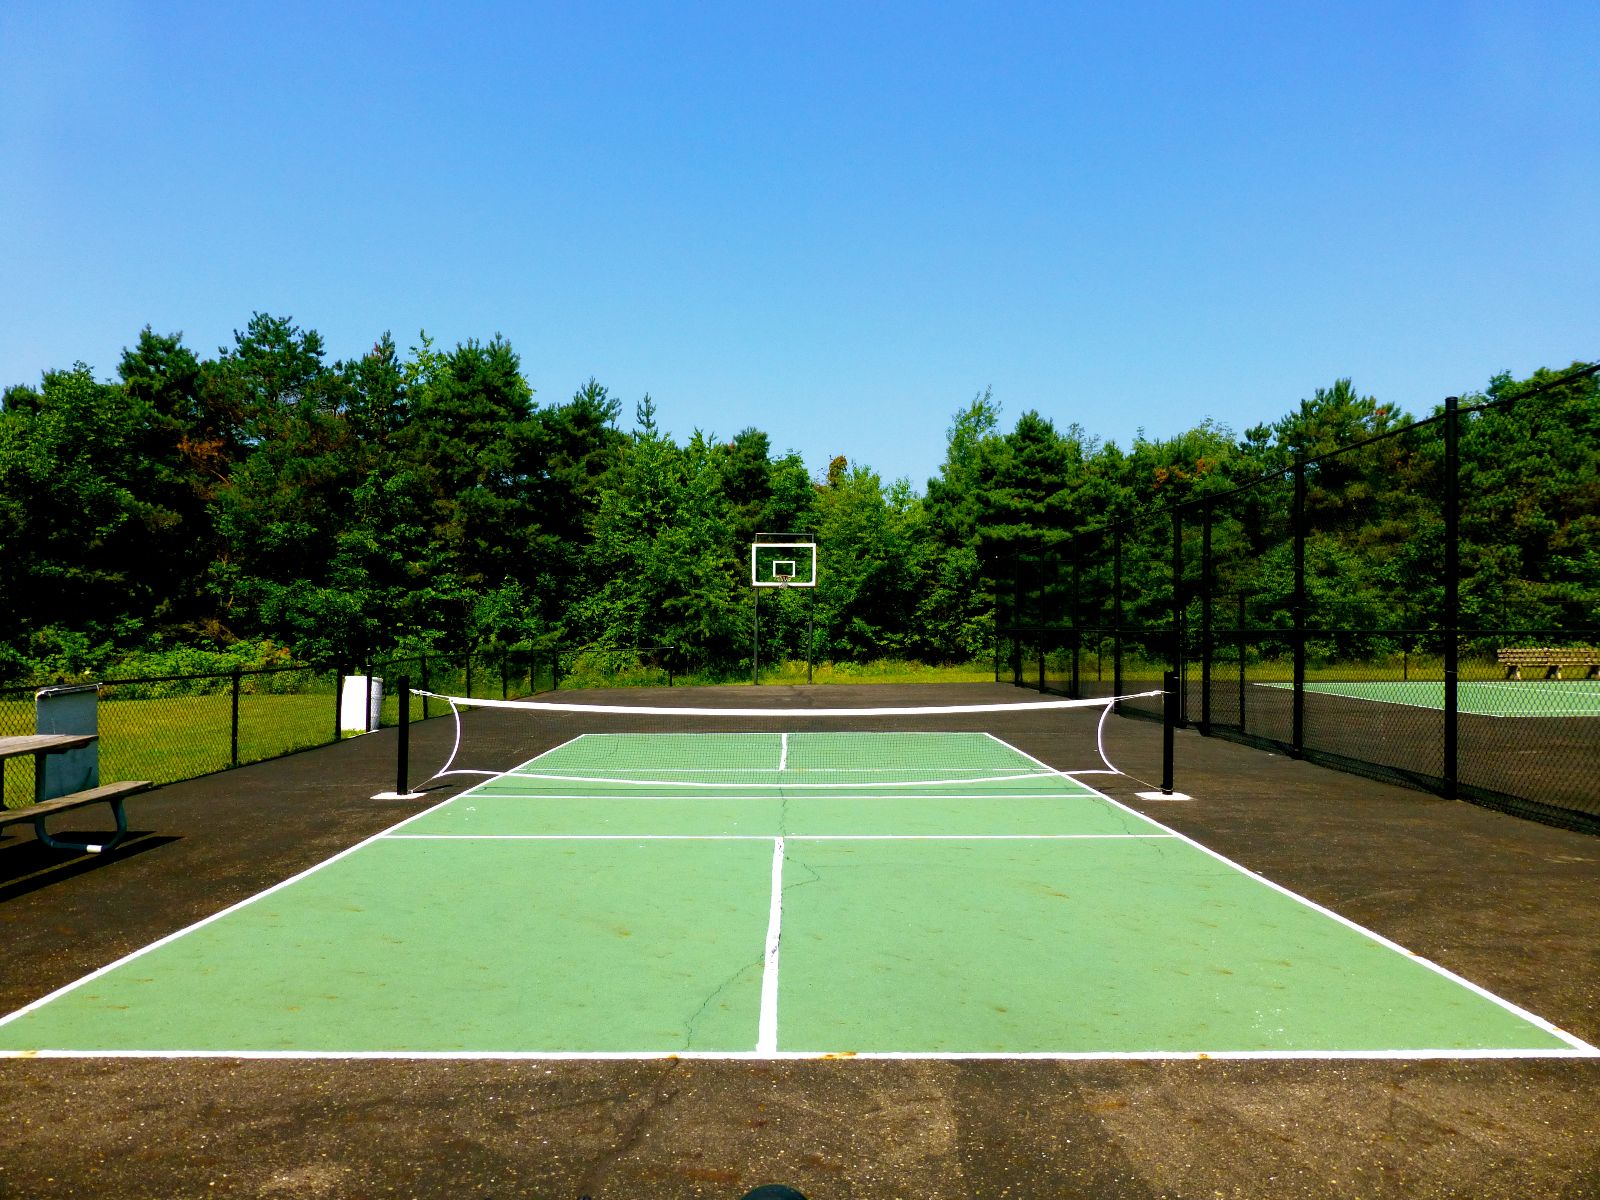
<point>835,222</point>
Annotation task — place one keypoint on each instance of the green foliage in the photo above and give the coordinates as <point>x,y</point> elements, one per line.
<point>200,512</point>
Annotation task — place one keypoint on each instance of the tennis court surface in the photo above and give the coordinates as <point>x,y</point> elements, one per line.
<point>1480,698</point>
<point>770,895</point>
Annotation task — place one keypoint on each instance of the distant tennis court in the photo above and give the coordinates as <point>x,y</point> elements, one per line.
<point>1492,698</point>
<point>768,895</point>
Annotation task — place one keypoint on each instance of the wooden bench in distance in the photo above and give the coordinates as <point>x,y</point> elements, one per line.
<point>1550,659</point>
<point>110,793</point>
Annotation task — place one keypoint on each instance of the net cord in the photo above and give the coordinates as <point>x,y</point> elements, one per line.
<point>456,703</point>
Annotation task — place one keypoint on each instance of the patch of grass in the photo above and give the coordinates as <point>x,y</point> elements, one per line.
<point>883,670</point>
<point>181,737</point>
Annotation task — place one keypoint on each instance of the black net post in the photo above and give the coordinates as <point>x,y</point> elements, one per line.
<point>1452,591</point>
<point>1169,723</point>
<point>403,737</point>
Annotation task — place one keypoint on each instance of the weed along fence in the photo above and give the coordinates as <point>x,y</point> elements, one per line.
<point>1454,647</point>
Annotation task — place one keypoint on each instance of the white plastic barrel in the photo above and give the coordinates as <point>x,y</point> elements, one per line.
<point>356,715</point>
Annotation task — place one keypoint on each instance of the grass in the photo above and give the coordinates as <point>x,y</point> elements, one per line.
<point>181,737</point>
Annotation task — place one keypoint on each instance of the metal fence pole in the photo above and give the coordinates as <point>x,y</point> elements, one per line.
<point>1178,606</point>
<point>1116,615</point>
<point>234,755</point>
<point>1244,648</point>
<point>1077,637</point>
<point>1298,739</point>
<point>1206,580</point>
<point>1452,592</point>
<point>1016,618</point>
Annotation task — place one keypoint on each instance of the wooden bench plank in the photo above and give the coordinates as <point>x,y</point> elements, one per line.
<point>108,793</point>
<point>42,743</point>
<point>1551,658</point>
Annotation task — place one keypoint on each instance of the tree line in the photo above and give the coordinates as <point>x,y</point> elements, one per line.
<point>424,501</point>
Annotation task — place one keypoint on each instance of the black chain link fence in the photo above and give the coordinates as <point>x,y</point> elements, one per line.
<point>174,727</point>
<point>1438,629</point>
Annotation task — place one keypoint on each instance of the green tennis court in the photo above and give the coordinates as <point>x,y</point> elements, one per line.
<point>769,895</point>
<point>1482,698</point>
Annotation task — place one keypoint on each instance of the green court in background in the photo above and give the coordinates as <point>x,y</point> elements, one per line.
<point>1511,698</point>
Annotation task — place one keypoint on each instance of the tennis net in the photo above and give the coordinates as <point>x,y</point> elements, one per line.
<point>756,747</point>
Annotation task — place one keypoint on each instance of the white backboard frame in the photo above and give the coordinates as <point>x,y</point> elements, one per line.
<point>797,582</point>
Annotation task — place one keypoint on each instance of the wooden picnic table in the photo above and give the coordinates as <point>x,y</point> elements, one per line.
<point>41,745</point>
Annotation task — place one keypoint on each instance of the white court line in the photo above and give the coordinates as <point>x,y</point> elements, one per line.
<point>766,837</point>
<point>702,784</point>
<point>783,753</point>
<point>767,1027</point>
<point>836,1055</point>
<point>233,908</point>
<point>620,772</point>
<point>1579,1046</point>
<point>841,792</point>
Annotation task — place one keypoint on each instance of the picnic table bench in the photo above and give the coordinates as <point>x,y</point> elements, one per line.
<point>38,745</point>
<point>1550,659</point>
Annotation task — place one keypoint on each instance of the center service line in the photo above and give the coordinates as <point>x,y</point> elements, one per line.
<point>767,1029</point>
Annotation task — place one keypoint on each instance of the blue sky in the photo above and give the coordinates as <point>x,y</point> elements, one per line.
<point>837,223</point>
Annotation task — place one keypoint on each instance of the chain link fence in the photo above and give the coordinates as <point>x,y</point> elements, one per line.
<point>1422,606</point>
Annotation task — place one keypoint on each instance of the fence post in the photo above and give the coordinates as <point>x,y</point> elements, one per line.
<point>1178,608</point>
<point>1206,582</point>
<point>1244,649</point>
<point>1298,739</point>
<point>1116,615</point>
<point>338,716</point>
<point>1016,618</point>
<point>234,756</point>
<point>1077,637</point>
<point>1452,592</point>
